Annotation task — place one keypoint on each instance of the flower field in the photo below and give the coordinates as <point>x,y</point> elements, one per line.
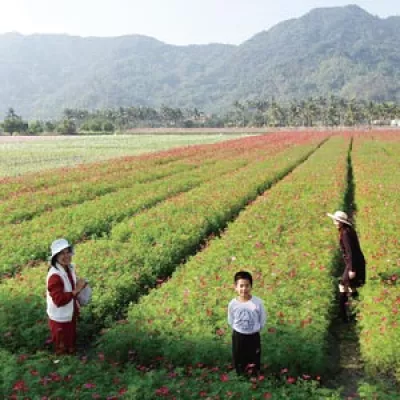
<point>160,236</point>
<point>185,320</point>
<point>377,177</point>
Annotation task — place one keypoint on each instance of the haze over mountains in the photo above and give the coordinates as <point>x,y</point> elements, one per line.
<point>343,51</point>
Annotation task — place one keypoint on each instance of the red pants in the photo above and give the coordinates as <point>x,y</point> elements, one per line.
<point>63,336</point>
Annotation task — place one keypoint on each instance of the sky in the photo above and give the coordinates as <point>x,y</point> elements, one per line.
<point>178,22</point>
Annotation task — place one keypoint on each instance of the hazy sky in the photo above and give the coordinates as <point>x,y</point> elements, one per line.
<point>172,21</point>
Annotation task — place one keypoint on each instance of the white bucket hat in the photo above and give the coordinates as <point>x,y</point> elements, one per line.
<point>340,216</point>
<point>59,245</point>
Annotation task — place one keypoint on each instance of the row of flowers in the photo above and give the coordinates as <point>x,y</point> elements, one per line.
<point>29,241</point>
<point>163,236</point>
<point>93,181</point>
<point>377,176</point>
<point>27,206</point>
<point>43,377</point>
<point>30,183</point>
<point>286,242</point>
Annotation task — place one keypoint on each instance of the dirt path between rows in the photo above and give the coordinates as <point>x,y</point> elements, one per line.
<point>349,368</point>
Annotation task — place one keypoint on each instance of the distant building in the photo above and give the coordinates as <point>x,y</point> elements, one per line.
<point>395,122</point>
<point>381,122</point>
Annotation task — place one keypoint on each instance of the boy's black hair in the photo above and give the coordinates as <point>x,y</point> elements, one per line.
<point>244,275</point>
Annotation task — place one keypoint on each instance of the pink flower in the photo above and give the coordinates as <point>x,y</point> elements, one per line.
<point>291,379</point>
<point>22,357</point>
<point>162,391</point>
<point>224,377</point>
<point>89,385</point>
<point>20,386</point>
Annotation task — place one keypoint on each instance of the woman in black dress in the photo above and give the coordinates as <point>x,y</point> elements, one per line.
<point>353,275</point>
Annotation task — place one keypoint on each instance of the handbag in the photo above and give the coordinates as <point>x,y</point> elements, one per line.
<point>85,295</point>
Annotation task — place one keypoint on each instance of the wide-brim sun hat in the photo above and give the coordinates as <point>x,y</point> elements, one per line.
<point>59,245</point>
<point>340,216</point>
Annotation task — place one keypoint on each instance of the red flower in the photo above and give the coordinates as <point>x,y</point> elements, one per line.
<point>267,395</point>
<point>224,377</point>
<point>122,390</point>
<point>203,394</point>
<point>20,386</point>
<point>291,379</point>
<point>22,357</point>
<point>89,385</point>
<point>162,391</point>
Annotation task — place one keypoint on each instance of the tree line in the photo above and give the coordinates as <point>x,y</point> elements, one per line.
<point>313,112</point>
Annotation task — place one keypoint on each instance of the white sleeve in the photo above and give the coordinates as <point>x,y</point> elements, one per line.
<point>263,315</point>
<point>230,315</point>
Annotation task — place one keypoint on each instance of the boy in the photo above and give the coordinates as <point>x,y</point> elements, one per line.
<point>246,316</point>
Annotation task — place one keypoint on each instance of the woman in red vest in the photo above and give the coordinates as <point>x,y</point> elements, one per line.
<point>62,291</point>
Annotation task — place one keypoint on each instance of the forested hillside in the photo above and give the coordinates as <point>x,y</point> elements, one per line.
<point>341,51</point>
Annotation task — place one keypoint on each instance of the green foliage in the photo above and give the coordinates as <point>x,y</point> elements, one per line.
<point>184,321</point>
<point>182,222</point>
<point>36,127</point>
<point>376,170</point>
<point>66,127</point>
<point>14,123</point>
<point>42,376</point>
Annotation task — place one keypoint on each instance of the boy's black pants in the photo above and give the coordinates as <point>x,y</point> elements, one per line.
<point>246,352</point>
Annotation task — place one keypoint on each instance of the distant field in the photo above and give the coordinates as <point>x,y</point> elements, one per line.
<point>20,155</point>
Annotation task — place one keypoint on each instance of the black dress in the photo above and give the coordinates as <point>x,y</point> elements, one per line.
<point>353,257</point>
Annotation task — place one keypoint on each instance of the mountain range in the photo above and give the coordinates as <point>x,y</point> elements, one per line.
<point>344,51</point>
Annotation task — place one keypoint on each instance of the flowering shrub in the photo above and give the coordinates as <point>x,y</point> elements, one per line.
<point>377,175</point>
<point>49,191</point>
<point>283,238</point>
<point>121,270</point>
<point>42,377</point>
<point>30,240</point>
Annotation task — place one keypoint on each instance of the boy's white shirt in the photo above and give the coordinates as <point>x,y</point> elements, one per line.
<point>247,317</point>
